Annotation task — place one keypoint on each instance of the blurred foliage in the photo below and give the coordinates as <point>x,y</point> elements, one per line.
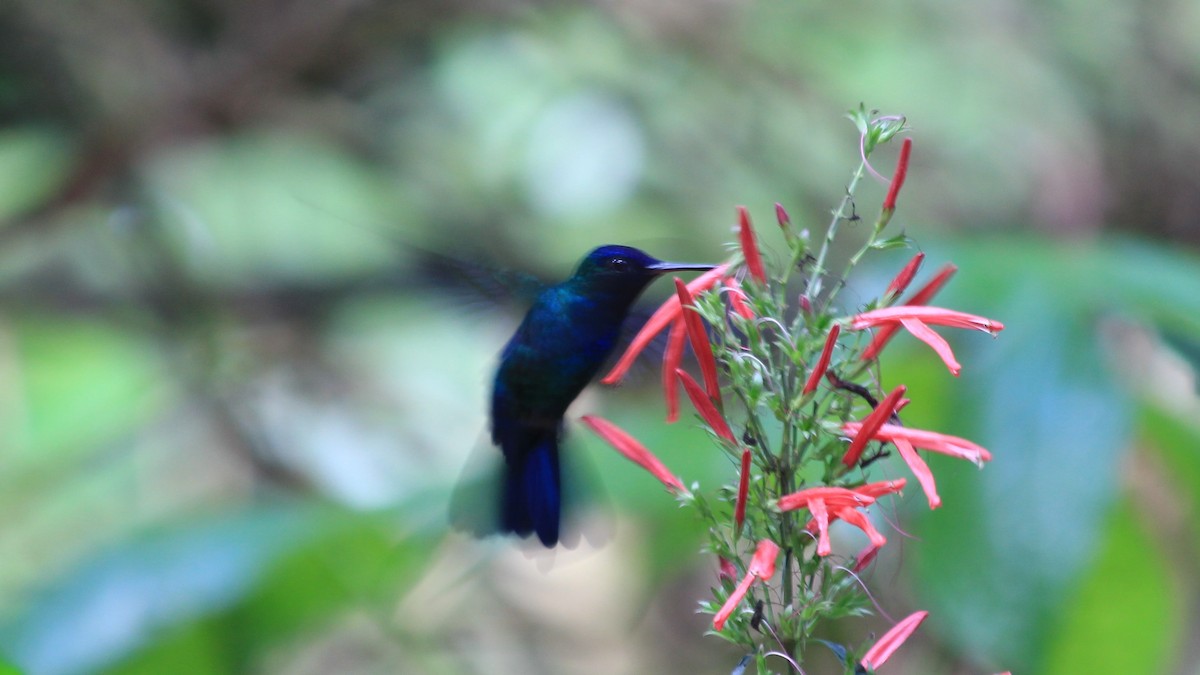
<point>233,397</point>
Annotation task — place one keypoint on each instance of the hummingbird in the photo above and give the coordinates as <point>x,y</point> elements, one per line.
<point>562,342</point>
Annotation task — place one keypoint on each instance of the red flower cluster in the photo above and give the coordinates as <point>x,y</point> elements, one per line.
<point>678,313</point>
<point>825,504</point>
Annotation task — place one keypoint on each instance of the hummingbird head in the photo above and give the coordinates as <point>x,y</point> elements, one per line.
<point>617,275</point>
<point>624,269</point>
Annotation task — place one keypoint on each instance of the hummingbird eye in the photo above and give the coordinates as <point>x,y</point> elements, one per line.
<point>618,264</point>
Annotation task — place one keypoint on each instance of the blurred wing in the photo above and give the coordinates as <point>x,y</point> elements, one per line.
<point>477,284</point>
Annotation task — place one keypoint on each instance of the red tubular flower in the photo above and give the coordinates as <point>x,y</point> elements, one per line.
<point>889,202</point>
<point>921,297</point>
<point>846,511</point>
<point>881,488</point>
<point>915,318</point>
<point>633,450</point>
<point>750,251</point>
<point>821,518</point>
<point>930,440</point>
<point>737,299</point>
<point>699,340</point>
<point>823,362</point>
<point>865,557</point>
<point>905,277</point>
<point>938,316</point>
<point>859,519</point>
<point>704,406</point>
<point>739,511</point>
<point>878,416</point>
<point>836,497</point>
<point>762,567</point>
<point>725,569</point>
<point>920,469</point>
<point>883,648</point>
<point>907,440</point>
<point>823,514</point>
<point>732,602</point>
<point>672,358</point>
<point>658,322</point>
<point>936,342</point>
<point>781,215</point>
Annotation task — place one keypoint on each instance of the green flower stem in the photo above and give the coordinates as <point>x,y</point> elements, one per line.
<point>839,214</point>
<point>854,259</point>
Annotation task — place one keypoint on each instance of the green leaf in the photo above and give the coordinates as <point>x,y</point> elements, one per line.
<point>1126,615</point>
<point>177,597</point>
<point>200,644</point>
<point>1158,285</point>
<point>898,241</point>
<point>859,118</point>
<point>1175,438</point>
<point>112,604</point>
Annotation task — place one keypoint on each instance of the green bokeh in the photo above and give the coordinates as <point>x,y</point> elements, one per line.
<point>238,384</point>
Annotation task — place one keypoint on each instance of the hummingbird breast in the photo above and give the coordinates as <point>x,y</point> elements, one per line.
<point>559,347</point>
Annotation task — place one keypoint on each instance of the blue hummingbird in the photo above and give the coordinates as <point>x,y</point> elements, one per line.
<point>564,339</point>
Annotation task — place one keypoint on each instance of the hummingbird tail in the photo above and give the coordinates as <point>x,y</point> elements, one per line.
<point>532,498</point>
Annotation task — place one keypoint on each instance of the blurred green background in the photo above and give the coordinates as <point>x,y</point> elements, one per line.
<point>233,399</point>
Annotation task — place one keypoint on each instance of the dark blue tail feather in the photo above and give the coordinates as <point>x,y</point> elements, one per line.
<point>532,496</point>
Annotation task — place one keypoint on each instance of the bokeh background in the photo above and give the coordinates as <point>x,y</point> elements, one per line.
<point>235,395</point>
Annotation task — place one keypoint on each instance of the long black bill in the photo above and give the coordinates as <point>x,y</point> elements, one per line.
<point>663,267</point>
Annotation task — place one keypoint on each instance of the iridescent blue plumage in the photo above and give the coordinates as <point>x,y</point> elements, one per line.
<point>558,348</point>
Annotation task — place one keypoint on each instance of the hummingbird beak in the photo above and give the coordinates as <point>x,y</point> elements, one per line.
<point>664,267</point>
